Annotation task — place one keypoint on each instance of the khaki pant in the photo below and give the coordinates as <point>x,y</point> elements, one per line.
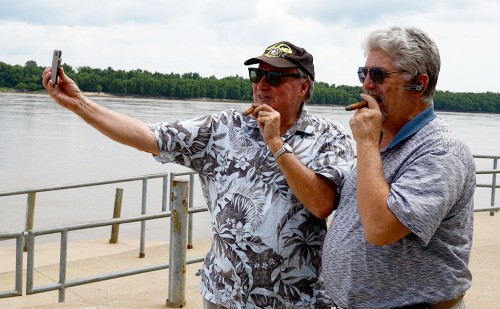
<point>209,305</point>
<point>459,305</point>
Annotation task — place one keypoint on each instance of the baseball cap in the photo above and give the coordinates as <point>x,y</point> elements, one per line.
<point>286,55</point>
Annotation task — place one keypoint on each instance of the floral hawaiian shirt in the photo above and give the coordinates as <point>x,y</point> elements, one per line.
<point>266,246</point>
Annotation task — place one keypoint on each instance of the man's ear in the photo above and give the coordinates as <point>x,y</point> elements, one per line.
<point>305,87</point>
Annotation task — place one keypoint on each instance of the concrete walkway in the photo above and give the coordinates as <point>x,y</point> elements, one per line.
<point>150,290</point>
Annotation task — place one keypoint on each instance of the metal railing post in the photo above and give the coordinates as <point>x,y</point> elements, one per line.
<point>143,212</point>
<point>178,238</point>
<point>19,265</point>
<point>493,186</point>
<point>190,216</point>
<point>30,264</point>
<point>117,211</point>
<point>164,195</point>
<point>30,216</point>
<point>63,259</point>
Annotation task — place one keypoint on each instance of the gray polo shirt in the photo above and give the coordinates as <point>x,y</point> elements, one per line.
<point>432,178</point>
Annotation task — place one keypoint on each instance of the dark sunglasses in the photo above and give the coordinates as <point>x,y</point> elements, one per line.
<point>376,74</point>
<point>272,78</point>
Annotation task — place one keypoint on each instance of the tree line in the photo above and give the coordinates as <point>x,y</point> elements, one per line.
<point>138,82</point>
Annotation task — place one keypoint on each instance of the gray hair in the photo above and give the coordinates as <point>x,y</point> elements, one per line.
<point>310,91</point>
<point>412,50</point>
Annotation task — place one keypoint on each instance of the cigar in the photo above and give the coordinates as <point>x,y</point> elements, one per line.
<point>356,106</point>
<point>248,111</point>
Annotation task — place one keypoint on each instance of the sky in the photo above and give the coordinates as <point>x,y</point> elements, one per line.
<point>215,37</point>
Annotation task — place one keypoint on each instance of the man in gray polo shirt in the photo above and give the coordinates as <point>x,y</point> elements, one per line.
<point>402,233</point>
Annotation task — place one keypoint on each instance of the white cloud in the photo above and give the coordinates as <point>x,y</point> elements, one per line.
<point>214,37</point>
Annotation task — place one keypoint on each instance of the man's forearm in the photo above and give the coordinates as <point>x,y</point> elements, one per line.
<point>119,127</point>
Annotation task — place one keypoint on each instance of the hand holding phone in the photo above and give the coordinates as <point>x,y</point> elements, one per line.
<point>56,63</point>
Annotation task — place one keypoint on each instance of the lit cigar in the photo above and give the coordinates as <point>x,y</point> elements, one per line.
<point>248,111</point>
<point>356,106</point>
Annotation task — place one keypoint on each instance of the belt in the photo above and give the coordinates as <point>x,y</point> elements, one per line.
<point>447,304</point>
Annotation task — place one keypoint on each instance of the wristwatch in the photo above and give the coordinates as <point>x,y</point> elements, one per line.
<point>285,148</point>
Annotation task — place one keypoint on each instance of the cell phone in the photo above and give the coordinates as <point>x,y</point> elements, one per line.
<point>56,63</point>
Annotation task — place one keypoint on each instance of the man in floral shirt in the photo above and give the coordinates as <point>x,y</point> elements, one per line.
<point>269,177</point>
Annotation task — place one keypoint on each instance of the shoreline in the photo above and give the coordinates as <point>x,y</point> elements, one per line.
<point>107,95</point>
<point>113,96</point>
<point>202,100</point>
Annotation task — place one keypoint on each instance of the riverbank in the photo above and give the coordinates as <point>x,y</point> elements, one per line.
<point>206,99</point>
<point>150,290</point>
<point>112,96</point>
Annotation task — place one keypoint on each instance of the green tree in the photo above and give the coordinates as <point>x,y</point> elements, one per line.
<point>191,85</point>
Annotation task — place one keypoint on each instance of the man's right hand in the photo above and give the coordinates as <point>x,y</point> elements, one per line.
<point>66,92</point>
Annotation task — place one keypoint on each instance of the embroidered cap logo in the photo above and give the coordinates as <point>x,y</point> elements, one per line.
<point>278,51</point>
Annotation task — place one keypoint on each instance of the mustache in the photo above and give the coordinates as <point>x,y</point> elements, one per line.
<point>375,95</point>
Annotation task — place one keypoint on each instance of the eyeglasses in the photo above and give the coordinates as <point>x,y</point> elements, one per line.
<point>376,74</point>
<point>272,78</point>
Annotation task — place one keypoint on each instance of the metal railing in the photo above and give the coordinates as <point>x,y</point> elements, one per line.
<point>28,236</point>
<point>493,185</point>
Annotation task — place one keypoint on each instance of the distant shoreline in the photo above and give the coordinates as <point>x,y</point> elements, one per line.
<point>206,100</point>
<point>113,96</point>
<point>107,95</point>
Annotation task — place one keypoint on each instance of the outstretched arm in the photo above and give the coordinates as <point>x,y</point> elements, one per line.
<point>119,127</point>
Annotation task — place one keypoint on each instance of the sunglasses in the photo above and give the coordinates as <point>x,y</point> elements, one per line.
<point>376,74</point>
<point>272,78</point>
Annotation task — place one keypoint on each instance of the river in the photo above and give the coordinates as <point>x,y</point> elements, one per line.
<point>43,145</point>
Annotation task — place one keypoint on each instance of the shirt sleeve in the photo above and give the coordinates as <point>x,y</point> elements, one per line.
<point>335,157</point>
<point>182,141</point>
<point>424,192</point>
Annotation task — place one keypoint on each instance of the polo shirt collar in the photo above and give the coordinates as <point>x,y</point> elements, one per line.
<point>413,126</point>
